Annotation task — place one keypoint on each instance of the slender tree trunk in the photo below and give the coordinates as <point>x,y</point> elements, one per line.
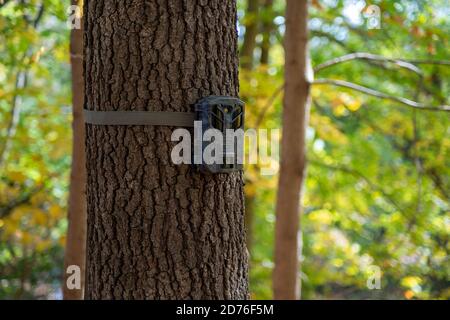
<point>158,230</point>
<point>246,55</point>
<point>251,31</point>
<point>295,117</point>
<point>76,233</point>
<point>267,28</point>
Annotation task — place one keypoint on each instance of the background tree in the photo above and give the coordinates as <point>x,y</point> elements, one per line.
<point>251,31</point>
<point>157,230</point>
<point>298,77</point>
<point>267,28</point>
<point>75,253</point>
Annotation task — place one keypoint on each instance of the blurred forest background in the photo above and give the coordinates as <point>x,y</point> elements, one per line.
<point>378,185</point>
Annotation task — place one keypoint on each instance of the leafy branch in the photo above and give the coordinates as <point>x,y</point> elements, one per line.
<point>379,94</point>
<point>6,210</point>
<point>370,57</point>
<point>402,63</point>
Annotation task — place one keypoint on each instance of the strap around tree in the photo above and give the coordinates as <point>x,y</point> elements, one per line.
<point>140,118</point>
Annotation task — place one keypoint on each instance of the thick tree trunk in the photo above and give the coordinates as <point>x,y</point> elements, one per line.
<point>157,230</point>
<point>292,170</point>
<point>76,232</point>
<point>250,202</point>
<point>251,31</point>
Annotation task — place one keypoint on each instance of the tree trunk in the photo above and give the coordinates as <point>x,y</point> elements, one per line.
<point>292,170</point>
<point>158,230</point>
<point>251,31</point>
<point>267,28</point>
<point>246,55</point>
<point>250,202</point>
<point>76,232</point>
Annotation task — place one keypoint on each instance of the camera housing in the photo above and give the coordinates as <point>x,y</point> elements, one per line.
<point>221,113</point>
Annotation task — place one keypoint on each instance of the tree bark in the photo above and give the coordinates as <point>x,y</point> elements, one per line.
<point>251,31</point>
<point>158,230</point>
<point>250,202</point>
<point>76,231</point>
<point>292,170</point>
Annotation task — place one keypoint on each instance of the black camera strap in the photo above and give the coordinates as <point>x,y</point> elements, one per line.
<point>140,118</point>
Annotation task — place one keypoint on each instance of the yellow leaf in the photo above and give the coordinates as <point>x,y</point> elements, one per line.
<point>43,245</point>
<point>26,238</point>
<point>354,105</point>
<point>62,241</point>
<point>339,110</point>
<point>10,228</point>
<point>250,189</point>
<point>55,211</point>
<point>323,217</point>
<point>40,218</point>
<point>17,176</point>
<point>411,282</point>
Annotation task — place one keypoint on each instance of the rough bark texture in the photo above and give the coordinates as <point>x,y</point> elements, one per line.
<point>157,230</point>
<point>292,170</point>
<point>249,217</point>
<point>76,232</point>
<point>251,31</point>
